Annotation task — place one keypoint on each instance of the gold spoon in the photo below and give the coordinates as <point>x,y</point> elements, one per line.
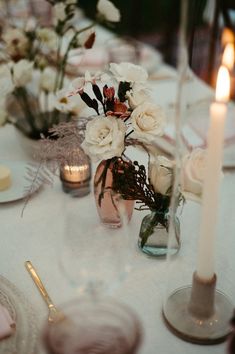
<point>54,315</point>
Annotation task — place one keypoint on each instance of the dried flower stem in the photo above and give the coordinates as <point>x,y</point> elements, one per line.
<point>70,46</point>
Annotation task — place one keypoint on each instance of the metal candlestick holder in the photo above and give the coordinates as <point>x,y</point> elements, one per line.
<point>199,313</point>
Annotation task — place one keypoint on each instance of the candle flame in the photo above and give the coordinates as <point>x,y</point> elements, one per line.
<point>222,85</point>
<point>228,56</point>
<point>74,169</point>
<point>227,36</point>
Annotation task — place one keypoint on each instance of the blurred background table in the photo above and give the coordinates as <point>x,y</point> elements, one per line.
<point>35,237</point>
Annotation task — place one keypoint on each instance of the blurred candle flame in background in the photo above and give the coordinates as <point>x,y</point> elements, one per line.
<point>222,85</point>
<point>228,56</point>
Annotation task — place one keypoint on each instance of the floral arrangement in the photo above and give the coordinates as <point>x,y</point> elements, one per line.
<point>153,189</point>
<point>122,113</point>
<point>33,66</point>
<point>125,115</point>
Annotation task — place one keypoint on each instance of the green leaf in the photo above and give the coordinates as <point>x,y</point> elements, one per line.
<point>149,229</point>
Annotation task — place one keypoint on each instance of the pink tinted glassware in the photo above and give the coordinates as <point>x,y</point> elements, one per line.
<point>107,200</point>
<point>101,326</point>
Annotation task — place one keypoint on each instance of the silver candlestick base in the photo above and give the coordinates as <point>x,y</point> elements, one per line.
<point>199,313</point>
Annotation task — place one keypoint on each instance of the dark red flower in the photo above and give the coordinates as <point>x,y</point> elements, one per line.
<point>120,110</point>
<point>90,41</point>
<point>108,92</point>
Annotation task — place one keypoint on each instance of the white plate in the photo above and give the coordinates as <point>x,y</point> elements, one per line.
<point>19,182</point>
<point>23,341</point>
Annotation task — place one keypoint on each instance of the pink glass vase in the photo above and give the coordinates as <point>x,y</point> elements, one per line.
<point>106,199</point>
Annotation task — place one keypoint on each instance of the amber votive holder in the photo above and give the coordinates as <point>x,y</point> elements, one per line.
<point>76,179</point>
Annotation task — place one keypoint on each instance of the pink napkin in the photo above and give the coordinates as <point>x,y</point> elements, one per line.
<point>7,325</point>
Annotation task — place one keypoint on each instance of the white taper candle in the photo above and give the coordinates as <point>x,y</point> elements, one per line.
<point>218,110</point>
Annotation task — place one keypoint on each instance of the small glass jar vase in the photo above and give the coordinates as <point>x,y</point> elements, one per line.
<point>106,199</point>
<point>154,235</point>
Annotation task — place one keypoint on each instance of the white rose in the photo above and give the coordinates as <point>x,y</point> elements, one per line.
<point>22,72</point>
<point>192,175</point>
<point>137,95</point>
<point>48,79</point>
<point>104,138</point>
<point>148,121</point>
<point>128,72</point>
<point>66,103</point>
<point>60,14</point>
<point>161,174</point>
<point>107,10</point>
<point>48,37</point>
<point>7,85</point>
<point>16,42</point>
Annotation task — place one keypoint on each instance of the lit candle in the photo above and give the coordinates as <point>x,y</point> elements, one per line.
<point>228,56</point>
<point>218,110</point>
<point>76,179</point>
<point>76,174</point>
<point>227,36</point>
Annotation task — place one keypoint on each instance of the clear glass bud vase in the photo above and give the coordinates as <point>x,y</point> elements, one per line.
<point>153,235</point>
<point>106,199</point>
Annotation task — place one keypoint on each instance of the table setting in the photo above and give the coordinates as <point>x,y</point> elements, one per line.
<point>117,228</point>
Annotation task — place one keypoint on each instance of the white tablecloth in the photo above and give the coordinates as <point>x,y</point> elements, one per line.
<point>35,237</point>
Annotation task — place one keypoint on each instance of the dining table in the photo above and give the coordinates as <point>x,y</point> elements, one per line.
<point>35,235</point>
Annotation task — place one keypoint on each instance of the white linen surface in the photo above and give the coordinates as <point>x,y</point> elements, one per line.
<point>35,237</point>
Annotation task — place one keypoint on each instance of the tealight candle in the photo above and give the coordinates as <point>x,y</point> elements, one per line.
<point>76,179</point>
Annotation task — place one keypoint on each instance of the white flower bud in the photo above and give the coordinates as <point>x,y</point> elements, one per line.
<point>108,11</point>
<point>192,175</point>
<point>161,175</point>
